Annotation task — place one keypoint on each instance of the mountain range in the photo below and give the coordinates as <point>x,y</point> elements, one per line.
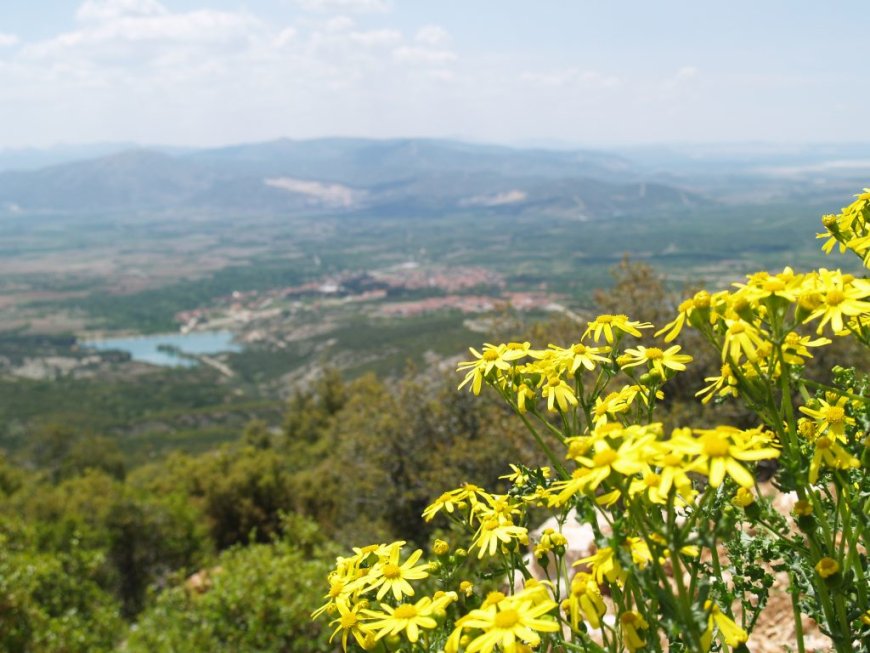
<point>412,176</point>
<point>415,177</point>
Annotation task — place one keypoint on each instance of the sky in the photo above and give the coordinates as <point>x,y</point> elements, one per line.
<point>545,72</point>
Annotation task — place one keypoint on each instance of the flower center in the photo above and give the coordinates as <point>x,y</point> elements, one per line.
<point>736,328</point>
<point>336,589</point>
<point>604,458</point>
<point>490,355</point>
<point>490,524</point>
<point>604,319</point>
<point>672,460</point>
<point>579,348</point>
<point>716,447</point>
<point>654,354</point>
<point>392,571</point>
<point>774,285</point>
<point>348,620</point>
<point>507,619</point>
<point>823,442</point>
<point>652,480</point>
<point>834,415</point>
<point>835,297</point>
<point>701,299</point>
<point>578,448</point>
<point>405,611</point>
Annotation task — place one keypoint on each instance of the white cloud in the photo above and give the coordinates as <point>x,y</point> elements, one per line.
<point>377,38</point>
<point>353,6</point>
<point>411,54</point>
<point>285,37</point>
<point>571,77</point>
<point>143,31</point>
<point>684,76</point>
<point>339,24</point>
<point>101,10</point>
<point>8,40</point>
<point>432,35</point>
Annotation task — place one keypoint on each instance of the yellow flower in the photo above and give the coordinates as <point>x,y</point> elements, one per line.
<point>606,324</point>
<point>827,567</point>
<point>349,623</point>
<point>493,357</point>
<point>700,302</point>
<point>584,601</point>
<point>577,356</point>
<point>794,348</point>
<point>558,393</point>
<point>512,621</point>
<point>612,404</point>
<point>742,338</point>
<point>440,547</point>
<point>802,508</point>
<point>388,575</point>
<point>631,621</point>
<point>830,417</point>
<point>743,498</point>
<point>493,530</point>
<point>525,396</point>
<point>468,494</point>
<point>604,564</point>
<point>723,385</point>
<point>673,466</point>
<point>407,617</point>
<point>651,483</point>
<point>630,393</point>
<point>733,634</point>
<point>625,459</point>
<point>658,360</point>
<point>830,453</point>
<point>640,553</point>
<point>842,296</point>
<point>719,450</point>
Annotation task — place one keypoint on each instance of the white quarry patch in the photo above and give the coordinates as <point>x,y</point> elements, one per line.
<point>333,195</point>
<point>499,199</point>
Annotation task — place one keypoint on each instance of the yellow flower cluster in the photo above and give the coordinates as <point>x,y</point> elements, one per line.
<point>553,374</point>
<point>505,622</point>
<point>638,460</point>
<point>849,228</point>
<point>657,499</point>
<point>492,517</point>
<point>756,327</point>
<point>378,569</point>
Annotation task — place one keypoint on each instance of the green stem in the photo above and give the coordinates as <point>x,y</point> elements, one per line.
<point>796,613</point>
<point>557,464</point>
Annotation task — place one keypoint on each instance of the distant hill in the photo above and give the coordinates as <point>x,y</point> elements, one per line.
<point>412,176</point>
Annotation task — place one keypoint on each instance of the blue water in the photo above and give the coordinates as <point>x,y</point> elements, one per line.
<point>144,348</point>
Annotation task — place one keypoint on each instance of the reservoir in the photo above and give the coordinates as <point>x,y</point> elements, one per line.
<point>169,349</point>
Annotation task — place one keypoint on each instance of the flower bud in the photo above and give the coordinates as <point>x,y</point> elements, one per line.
<point>440,547</point>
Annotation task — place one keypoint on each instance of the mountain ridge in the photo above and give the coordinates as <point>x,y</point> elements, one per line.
<point>284,175</point>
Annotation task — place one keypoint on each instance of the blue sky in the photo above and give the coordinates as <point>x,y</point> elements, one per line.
<point>573,73</point>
